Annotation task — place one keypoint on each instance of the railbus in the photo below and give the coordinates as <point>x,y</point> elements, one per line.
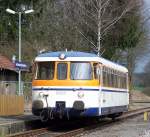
<point>78,84</point>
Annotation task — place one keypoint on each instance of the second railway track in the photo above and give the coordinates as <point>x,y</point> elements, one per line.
<point>74,128</point>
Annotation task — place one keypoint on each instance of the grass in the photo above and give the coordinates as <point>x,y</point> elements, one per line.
<point>147,91</point>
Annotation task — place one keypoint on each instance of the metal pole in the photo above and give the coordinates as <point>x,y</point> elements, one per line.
<point>99,28</point>
<point>20,92</point>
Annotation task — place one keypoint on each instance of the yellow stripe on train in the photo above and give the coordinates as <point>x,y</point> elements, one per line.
<point>65,83</point>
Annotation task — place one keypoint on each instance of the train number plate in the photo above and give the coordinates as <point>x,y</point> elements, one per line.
<point>60,92</point>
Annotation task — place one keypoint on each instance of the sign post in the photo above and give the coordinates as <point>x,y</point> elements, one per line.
<point>21,66</point>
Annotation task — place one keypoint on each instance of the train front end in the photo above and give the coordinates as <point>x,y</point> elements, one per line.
<point>65,84</point>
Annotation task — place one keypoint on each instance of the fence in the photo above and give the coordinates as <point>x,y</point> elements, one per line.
<point>8,87</point>
<point>27,93</point>
<point>10,101</point>
<point>11,105</point>
<point>12,87</point>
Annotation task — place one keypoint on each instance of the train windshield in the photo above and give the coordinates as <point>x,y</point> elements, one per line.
<point>62,71</point>
<point>45,70</point>
<point>81,71</point>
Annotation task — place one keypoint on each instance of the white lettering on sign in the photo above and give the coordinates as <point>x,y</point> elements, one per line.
<point>21,65</point>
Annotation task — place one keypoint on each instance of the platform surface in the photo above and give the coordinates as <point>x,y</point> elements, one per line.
<point>19,118</point>
<point>14,124</point>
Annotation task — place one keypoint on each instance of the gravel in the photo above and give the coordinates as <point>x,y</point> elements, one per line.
<point>135,127</point>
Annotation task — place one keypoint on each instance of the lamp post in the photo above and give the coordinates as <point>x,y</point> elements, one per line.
<point>19,13</point>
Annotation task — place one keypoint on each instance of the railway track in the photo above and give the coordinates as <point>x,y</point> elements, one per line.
<point>52,132</point>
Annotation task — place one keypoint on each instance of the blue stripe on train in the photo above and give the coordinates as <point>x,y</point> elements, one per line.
<point>67,89</point>
<point>91,112</point>
<point>80,89</point>
<point>108,90</point>
<point>94,111</point>
<point>104,111</point>
<point>77,113</point>
<point>115,109</point>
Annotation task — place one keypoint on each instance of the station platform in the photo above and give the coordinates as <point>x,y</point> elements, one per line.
<point>13,124</point>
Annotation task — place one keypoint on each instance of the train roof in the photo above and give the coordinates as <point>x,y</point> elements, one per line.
<point>67,54</point>
<point>83,57</point>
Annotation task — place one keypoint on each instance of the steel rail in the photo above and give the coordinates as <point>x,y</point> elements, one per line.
<point>126,115</point>
<point>140,101</point>
<point>30,133</point>
<point>91,126</point>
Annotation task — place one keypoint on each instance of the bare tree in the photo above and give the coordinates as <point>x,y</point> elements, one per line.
<point>99,16</point>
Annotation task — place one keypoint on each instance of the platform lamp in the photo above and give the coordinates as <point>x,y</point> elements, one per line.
<point>19,13</point>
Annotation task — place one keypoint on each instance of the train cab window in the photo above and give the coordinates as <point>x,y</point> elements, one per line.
<point>45,70</point>
<point>62,71</point>
<point>81,71</point>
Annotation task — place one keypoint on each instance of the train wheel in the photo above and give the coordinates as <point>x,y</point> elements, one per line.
<point>115,115</point>
<point>44,116</point>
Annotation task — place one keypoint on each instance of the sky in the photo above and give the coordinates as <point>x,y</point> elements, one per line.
<point>145,58</point>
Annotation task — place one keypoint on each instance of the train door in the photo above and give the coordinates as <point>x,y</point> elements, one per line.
<point>98,76</point>
<point>100,87</point>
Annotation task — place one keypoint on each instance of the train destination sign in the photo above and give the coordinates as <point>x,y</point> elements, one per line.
<point>23,66</point>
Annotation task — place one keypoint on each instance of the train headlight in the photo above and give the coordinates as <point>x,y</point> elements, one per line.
<point>80,94</point>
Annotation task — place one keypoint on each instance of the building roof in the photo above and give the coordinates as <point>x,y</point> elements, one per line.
<point>5,63</point>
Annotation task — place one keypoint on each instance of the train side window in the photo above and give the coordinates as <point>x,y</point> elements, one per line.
<point>62,71</point>
<point>104,78</point>
<point>115,81</point>
<point>96,70</point>
<point>111,77</point>
<point>107,77</point>
<point>125,81</point>
<point>119,81</point>
<point>122,80</point>
<point>110,81</point>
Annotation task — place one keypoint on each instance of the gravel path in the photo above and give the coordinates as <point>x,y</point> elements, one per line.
<point>130,128</point>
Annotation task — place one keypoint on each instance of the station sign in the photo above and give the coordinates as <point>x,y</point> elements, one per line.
<point>22,66</point>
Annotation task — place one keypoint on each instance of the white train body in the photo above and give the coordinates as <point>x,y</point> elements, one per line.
<point>79,84</point>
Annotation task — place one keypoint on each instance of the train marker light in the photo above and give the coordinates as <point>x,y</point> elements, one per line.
<point>80,94</point>
<point>62,56</point>
<point>41,94</point>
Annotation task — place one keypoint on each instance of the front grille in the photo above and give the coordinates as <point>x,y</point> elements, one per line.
<point>60,104</point>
